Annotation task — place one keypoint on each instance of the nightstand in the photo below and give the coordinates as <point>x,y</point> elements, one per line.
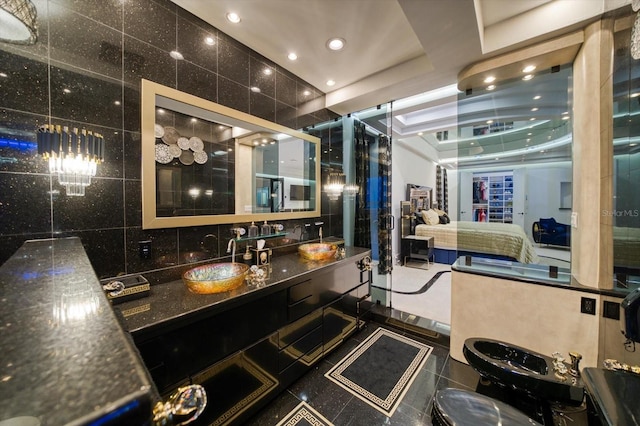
<point>415,247</point>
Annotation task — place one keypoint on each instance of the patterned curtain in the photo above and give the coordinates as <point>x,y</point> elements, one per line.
<point>442,189</point>
<point>385,264</point>
<point>362,232</point>
<point>445,192</point>
<point>439,187</point>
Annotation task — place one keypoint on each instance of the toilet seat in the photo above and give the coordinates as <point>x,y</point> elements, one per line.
<point>457,407</point>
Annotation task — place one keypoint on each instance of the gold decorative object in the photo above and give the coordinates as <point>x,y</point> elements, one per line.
<point>215,278</point>
<point>317,251</point>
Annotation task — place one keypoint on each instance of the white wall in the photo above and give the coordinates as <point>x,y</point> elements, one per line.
<point>410,163</point>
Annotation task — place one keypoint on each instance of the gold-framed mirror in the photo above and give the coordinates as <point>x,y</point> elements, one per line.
<point>206,164</point>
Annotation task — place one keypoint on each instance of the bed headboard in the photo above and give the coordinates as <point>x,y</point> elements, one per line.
<point>419,196</point>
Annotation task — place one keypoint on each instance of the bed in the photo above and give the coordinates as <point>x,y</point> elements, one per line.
<point>498,239</point>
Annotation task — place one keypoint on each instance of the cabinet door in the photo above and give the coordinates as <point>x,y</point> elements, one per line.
<point>238,386</point>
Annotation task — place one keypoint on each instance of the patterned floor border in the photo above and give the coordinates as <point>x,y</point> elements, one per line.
<point>304,412</point>
<point>389,404</point>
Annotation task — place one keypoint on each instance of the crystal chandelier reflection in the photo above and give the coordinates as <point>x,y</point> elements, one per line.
<point>335,185</point>
<point>72,155</point>
<point>18,22</point>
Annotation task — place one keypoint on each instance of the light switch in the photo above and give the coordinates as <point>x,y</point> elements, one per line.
<point>574,220</point>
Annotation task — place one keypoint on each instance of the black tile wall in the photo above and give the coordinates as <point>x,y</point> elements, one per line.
<point>85,72</point>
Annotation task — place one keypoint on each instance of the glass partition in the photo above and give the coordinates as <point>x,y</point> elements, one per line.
<point>625,215</point>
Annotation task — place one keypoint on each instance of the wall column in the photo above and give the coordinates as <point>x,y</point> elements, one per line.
<point>592,240</point>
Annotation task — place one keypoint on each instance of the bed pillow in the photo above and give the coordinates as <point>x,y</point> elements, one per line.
<point>430,217</point>
<point>443,216</point>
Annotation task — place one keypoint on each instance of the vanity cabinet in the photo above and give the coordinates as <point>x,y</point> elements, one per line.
<point>244,351</point>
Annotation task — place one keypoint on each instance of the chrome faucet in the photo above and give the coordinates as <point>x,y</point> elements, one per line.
<point>231,248</point>
<point>575,364</point>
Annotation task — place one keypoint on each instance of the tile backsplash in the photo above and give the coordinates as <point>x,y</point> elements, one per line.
<point>85,71</point>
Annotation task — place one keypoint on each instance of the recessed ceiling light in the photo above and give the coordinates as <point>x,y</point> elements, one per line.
<point>267,71</point>
<point>527,77</point>
<point>566,117</point>
<point>472,143</point>
<point>420,133</point>
<point>209,40</point>
<point>542,150</point>
<point>528,69</point>
<point>193,119</point>
<point>491,87</point>
<point>65,90</point>
<point>490,79</point>
<point>534,109</point>
<point>292,56</point>
<point>532,119</point>
<point>176,55</point>
<point>633,95</point>
<point>116,102</point>
<point>160,111</point>
<point>536,97</point>
<point>4,75</point>
<point>233,17</point>
<point>255,89</point>
<point>529,134</point>
<point>565,113</point>
<point>330,82</point>
<point>528,140</point>
<point>489,121</point>
<point>336,43</point>
<point>306,93</point>
<point>633,144</point>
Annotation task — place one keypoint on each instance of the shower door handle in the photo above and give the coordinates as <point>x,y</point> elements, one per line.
<point>391,222</point>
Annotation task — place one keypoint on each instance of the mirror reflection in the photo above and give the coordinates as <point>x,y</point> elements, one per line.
<point>204,163</point>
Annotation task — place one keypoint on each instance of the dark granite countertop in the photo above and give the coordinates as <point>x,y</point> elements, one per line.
<point>614,394</point>
<point>65,357</point>
<point>173,301</point>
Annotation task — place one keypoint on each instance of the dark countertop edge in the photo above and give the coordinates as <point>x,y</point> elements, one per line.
<point>574,285</point>
<point>68,254</point>
<point>224,305</point>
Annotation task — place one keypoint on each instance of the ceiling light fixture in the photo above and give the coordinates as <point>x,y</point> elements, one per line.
<point>527,77</point>
<point>534,109</point>
<point>566,117</point>
<point>3,75</point>
<point>176,55</point>
<point>330,83</point>
<point>267,71</point>
<point>489,121</point>
<point>255,89</point>
<point>233,17</point>
<point>292,56</point>
<point>536,97</point>
<point>491,87</point>
<point>210,41</point>
<point>336,43</point>
<point>528,69</point>
<point>18,22</point>
<point>490,79</point>
<point>306,93</point>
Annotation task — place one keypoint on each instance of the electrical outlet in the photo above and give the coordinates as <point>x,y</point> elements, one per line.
<point>611,310</point>
<point>588,306</point>
<point>144,249</point>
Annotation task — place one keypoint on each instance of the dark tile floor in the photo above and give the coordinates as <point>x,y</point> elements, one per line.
<point>342,408</point>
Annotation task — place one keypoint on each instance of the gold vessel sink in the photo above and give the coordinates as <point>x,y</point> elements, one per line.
<point>215,278</point>
<point>317,251</point>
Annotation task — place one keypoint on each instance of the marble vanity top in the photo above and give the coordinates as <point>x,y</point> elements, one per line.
<point>65,358</point>
<point>173,300</point>
<point>615,395</point>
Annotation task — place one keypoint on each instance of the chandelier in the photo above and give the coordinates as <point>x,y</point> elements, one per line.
<point>18,22</point>
<point>72,155</point>
<point>337,185</point>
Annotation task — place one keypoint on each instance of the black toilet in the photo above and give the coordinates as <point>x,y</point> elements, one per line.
<point>465,408</point>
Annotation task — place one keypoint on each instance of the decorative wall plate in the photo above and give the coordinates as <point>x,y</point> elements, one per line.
<point>186,158</point>
<point>183,143</point>
<point>159,131</point>
<point>200,157</point>
<point>163,155</point>
<point>171,135</point>
<point>196,144</point>
<point>175,151</point>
